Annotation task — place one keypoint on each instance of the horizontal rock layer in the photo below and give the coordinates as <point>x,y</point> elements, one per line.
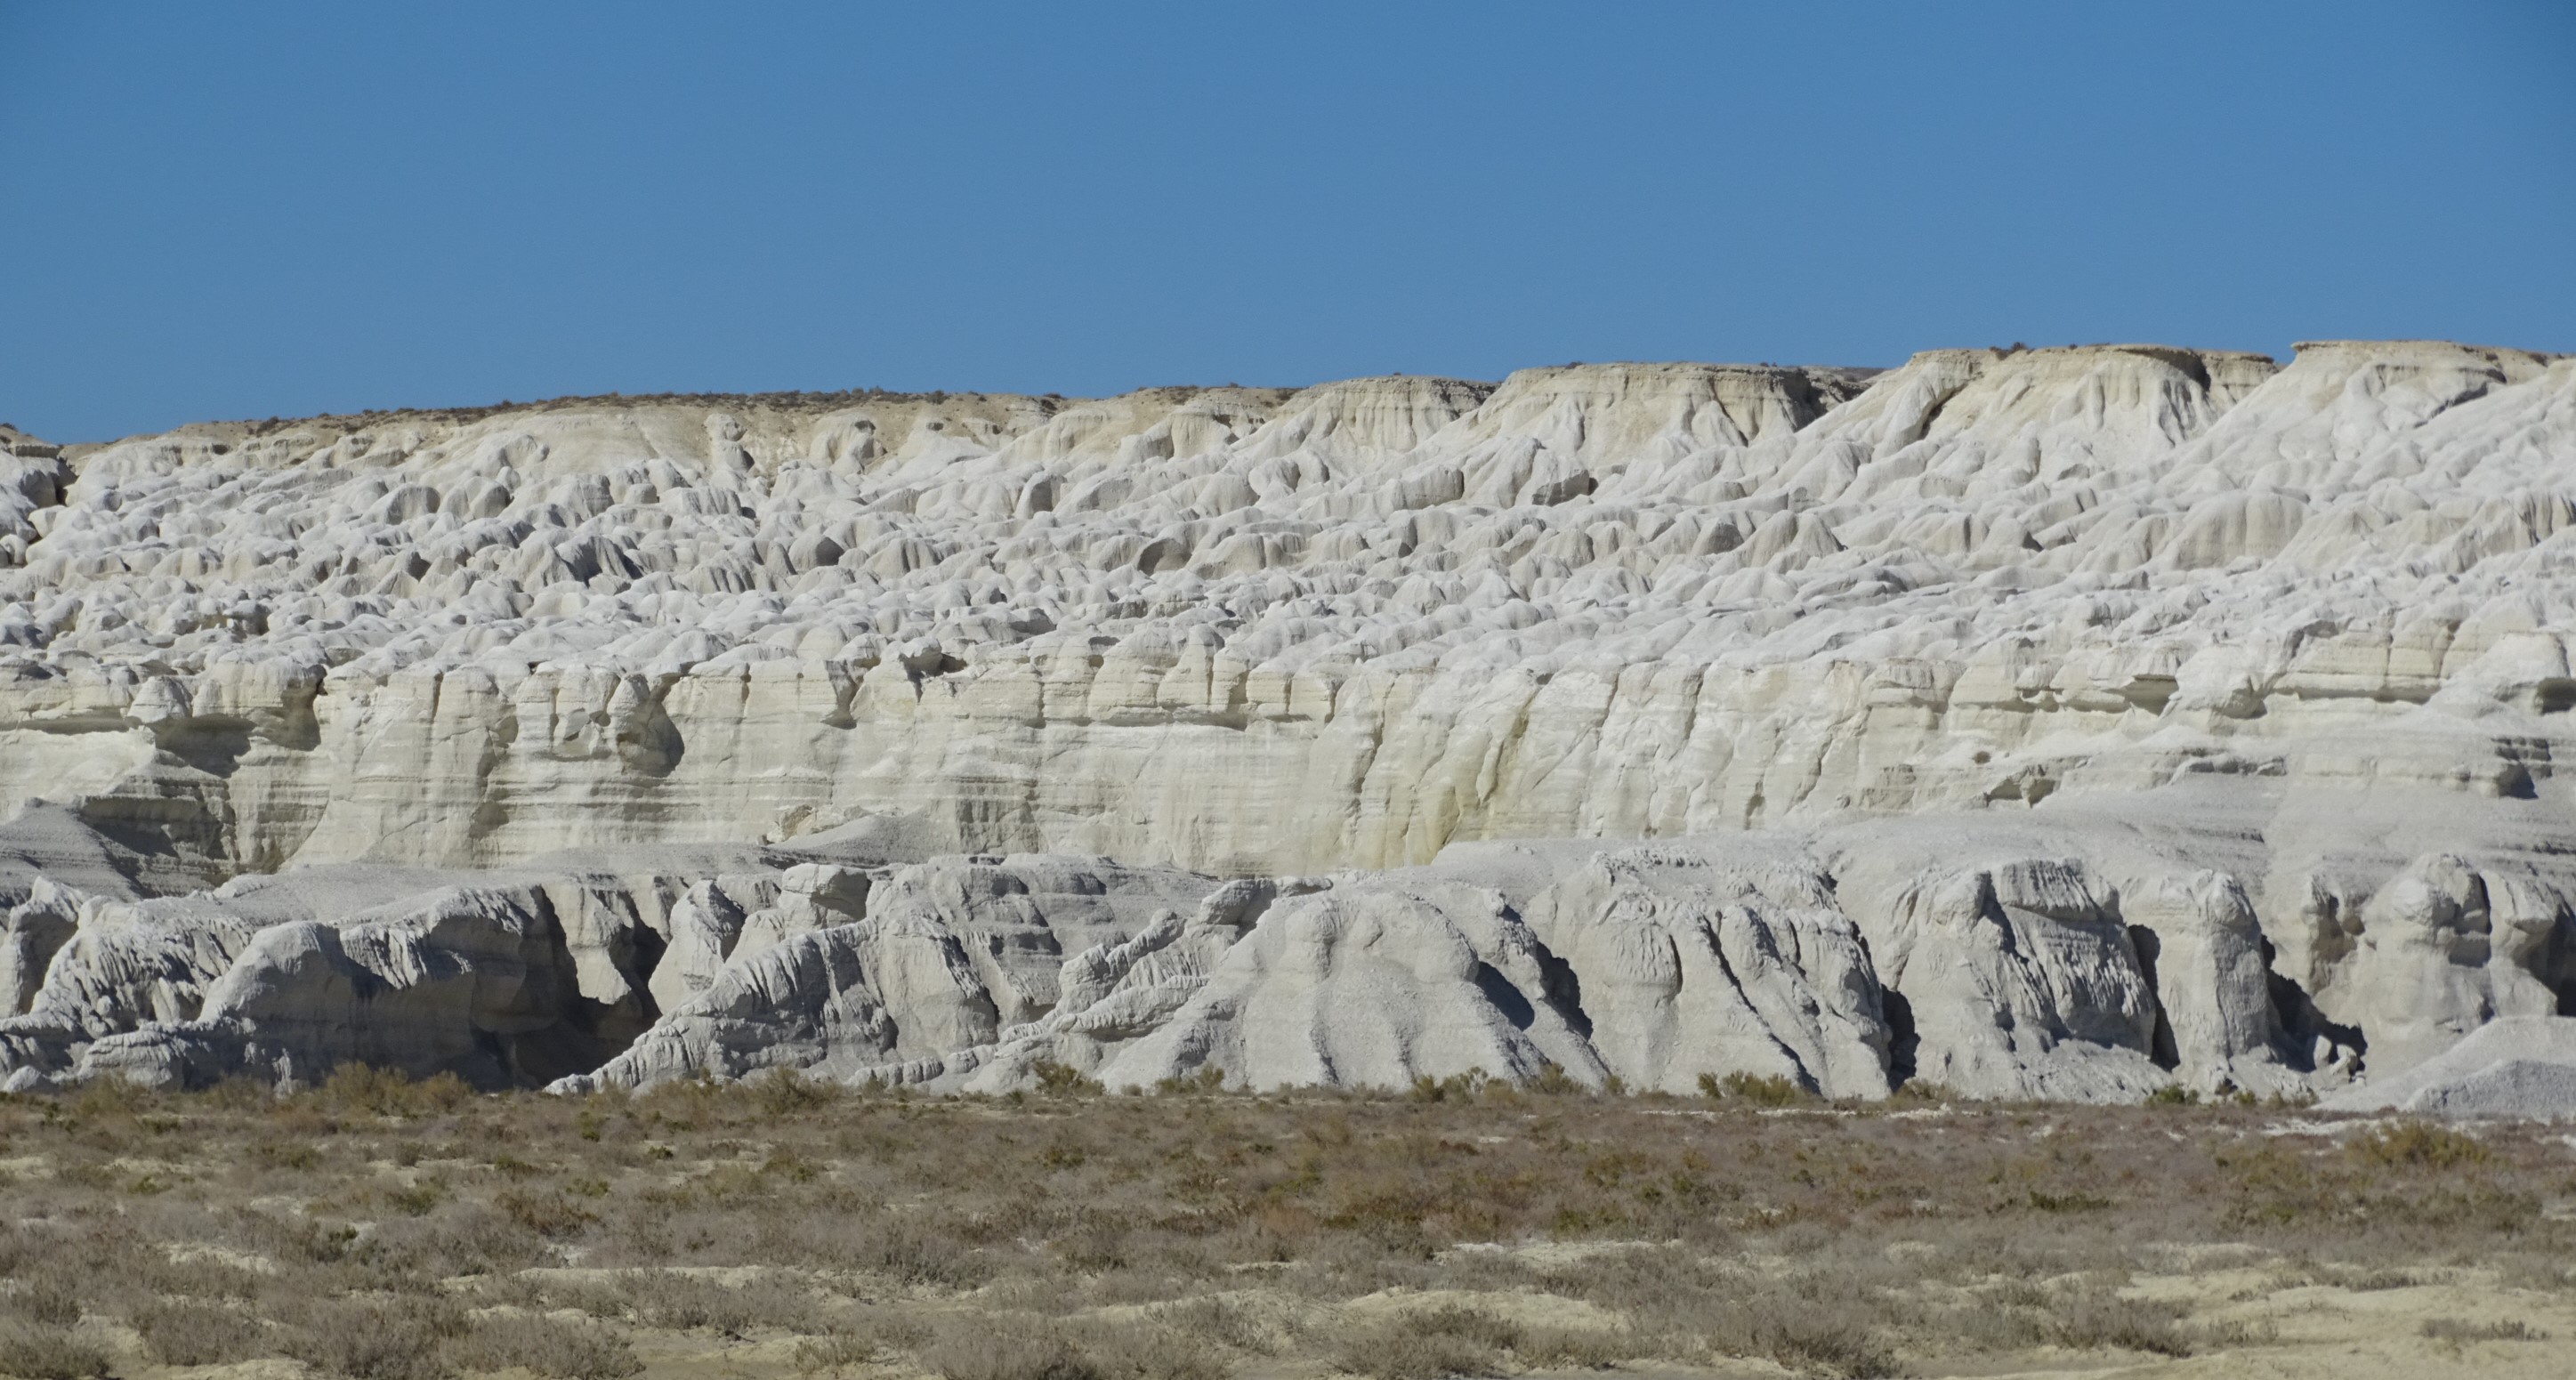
<point>2054,954</point>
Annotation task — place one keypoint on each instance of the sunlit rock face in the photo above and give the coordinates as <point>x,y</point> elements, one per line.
<point>2170,712</point>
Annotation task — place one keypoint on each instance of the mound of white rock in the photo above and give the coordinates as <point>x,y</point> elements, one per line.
<point>2517,1068</point>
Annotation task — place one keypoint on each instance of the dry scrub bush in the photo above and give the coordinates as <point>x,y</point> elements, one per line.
<point>183,1332</point>
<point>32,1351</point>
<point>2459,1331</point>
<point>354,1225</point>
<point>377,1339</point>
<point>863,1337</point>
<point>683,1302</point>
<point>557,1348</point>
<point>1224,1321</point>
<point>1429,1344</point>
<point>2416,1145</point>
<point>1007,1348</point>
<point>1773,1090</point>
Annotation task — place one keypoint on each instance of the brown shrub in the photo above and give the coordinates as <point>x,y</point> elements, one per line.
<point>377,1339</point>
<point>1224,1321</point>
<point>2103,1319</point>
<point>546,1214</point>
<point>1429,1344</point>
<point>47,1300</point>
<point>2416,1145</point>
<point>360,1088</point>
<point>180,1332</point>
<point>1757,1090</point>
<point>690,1301</point>
<point>2458,1331</point>
<point>1004,1347</point>
<point>836,1351</point>
<point>32,1351</point>
<point>558,1348</point>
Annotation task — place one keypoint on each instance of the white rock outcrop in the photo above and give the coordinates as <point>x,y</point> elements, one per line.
<point>2514,1067</point>
<point>2053,722</point>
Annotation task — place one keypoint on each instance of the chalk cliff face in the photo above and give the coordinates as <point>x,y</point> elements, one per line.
<point>2048,722</point>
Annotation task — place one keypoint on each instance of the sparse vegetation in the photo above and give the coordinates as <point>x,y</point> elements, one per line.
<point>385,1230</point>
<point>2456,1331</point>
<point>1772,1090</point>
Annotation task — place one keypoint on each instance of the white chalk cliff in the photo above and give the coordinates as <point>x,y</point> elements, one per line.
<point>2058,722</point>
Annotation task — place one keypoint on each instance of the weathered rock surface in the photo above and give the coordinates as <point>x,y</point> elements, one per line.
<point>2517,1066</point>
<point>1257,632</point>
<point>2039,723</point>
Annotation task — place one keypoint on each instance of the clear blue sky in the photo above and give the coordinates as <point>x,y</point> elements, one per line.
<point>240,210</point>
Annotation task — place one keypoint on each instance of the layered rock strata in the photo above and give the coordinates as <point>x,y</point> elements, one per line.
<point>1990,720</point>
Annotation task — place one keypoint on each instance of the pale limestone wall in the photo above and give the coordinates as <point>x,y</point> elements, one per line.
<point>1252,631</point>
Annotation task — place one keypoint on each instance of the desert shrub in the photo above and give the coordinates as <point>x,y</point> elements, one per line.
<point>389,1092</point>
<point>2520,1271</point>
<point>689,1301</point>
<point>294,1156</point>
<point>1145,1350</point>
<point>2102,1319</point>
<point>200,1277</point>
<point>1761,1090</point>
<point>786,1093</point>
<point>293,1240</point>
<point>2416,1145</point>
<point>913,1252</point>
<point>1999,1322</point>
<point>546,1214</point>
<point>1813,1323</point>
<point>417,1199</point>
<point>1222,1320</point>
<point>591,1298</point>
<point>2173,1095</point>
<point>1822,1342</point>
<point>1063,1080</point>
<point>32,1351</point>
<point>558,1348</point>
<point>1554,1081</point>
<point>181,1332</point>
<point>1428,1344</point>
<point>859,1339</point>
<point>47,1300</point>
<point>370,1339</point>
<point>1208,1080</point>
<point>1457,1087</point>
<point>1578,1348</point>
<point>478,1239</point>
<point>2460,1330</point>
<point>2229,1333</point>
<point>835,1352</point>
<point>1007,1347</point>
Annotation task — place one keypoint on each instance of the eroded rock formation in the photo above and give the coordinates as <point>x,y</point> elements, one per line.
<point>2056,722</point>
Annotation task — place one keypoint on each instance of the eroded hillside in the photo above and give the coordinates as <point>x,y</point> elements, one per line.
<point>2054,722</point>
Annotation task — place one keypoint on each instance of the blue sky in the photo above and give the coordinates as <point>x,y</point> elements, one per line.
<point>253,210</point>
